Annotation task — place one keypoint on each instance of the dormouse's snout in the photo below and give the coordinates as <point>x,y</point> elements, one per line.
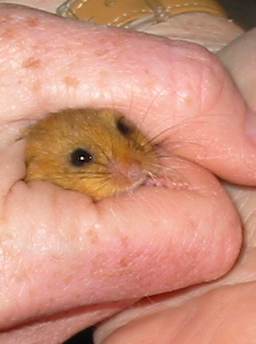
<point>127,174</point>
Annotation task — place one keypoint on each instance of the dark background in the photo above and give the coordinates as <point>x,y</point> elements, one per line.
<point>242,12</point>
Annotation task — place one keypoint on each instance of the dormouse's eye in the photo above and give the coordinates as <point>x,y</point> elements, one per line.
<point>80,157</point>
<point>124,127</point>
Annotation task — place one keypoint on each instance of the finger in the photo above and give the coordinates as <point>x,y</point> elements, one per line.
<point>245,199</point>
<point>158,83</point>
<point>122,248</point>
<point>165,306</point>
<point>239,58</point>
<point>230,314</point>
<point>59,327</point>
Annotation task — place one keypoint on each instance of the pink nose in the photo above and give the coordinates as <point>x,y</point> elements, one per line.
<point>134,172</point>
<point>126,172</point>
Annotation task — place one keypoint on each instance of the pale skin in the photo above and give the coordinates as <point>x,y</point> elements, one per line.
<point>62,254</point>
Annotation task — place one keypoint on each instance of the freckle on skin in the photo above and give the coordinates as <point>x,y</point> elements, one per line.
<point>5,19</point>
<point>9,33</point>
<point>32,22</point>
<point>32,63</point>
<point>123,263</point>
<point>36,87</point>
<point>93,237</point>
<point>71,81</point>
<point>100,52</point>
<point>67,280</point>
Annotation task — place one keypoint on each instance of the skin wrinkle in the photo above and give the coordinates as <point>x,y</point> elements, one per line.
<point>41,320</point>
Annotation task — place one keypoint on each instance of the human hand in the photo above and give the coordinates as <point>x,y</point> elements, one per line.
<point>68,263</point>
<point>222,311</point>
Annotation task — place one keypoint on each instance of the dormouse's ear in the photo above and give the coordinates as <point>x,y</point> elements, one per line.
<point>107,115</point>
<point>124,126</point>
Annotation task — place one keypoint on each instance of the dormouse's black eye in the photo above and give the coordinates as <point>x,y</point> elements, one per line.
<point>124,127</point>
<point>80,157</point>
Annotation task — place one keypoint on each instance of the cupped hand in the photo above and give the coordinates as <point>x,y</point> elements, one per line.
<point>218,312</point>
<point>68,262</point>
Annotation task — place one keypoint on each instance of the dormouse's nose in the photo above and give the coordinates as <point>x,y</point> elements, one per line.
<point>127,172</point>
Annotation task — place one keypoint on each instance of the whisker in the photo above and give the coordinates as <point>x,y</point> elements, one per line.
<point>146,113</point>
<point>96,176</point>
<point>103,152</point>
<point>172,173</point>
<point>150,106</point>
<point>149,141</point>
<point>93,173</point>
<point>99,163</point>
<point>175,145</point>
<point>112,107</point>
<point>173,167</point>
<point>184,123</point>
<point>131,103</point>
<point>178,144</point>
<point>102,185</point>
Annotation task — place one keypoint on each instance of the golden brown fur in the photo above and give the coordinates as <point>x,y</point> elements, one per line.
<point>121,158</point>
